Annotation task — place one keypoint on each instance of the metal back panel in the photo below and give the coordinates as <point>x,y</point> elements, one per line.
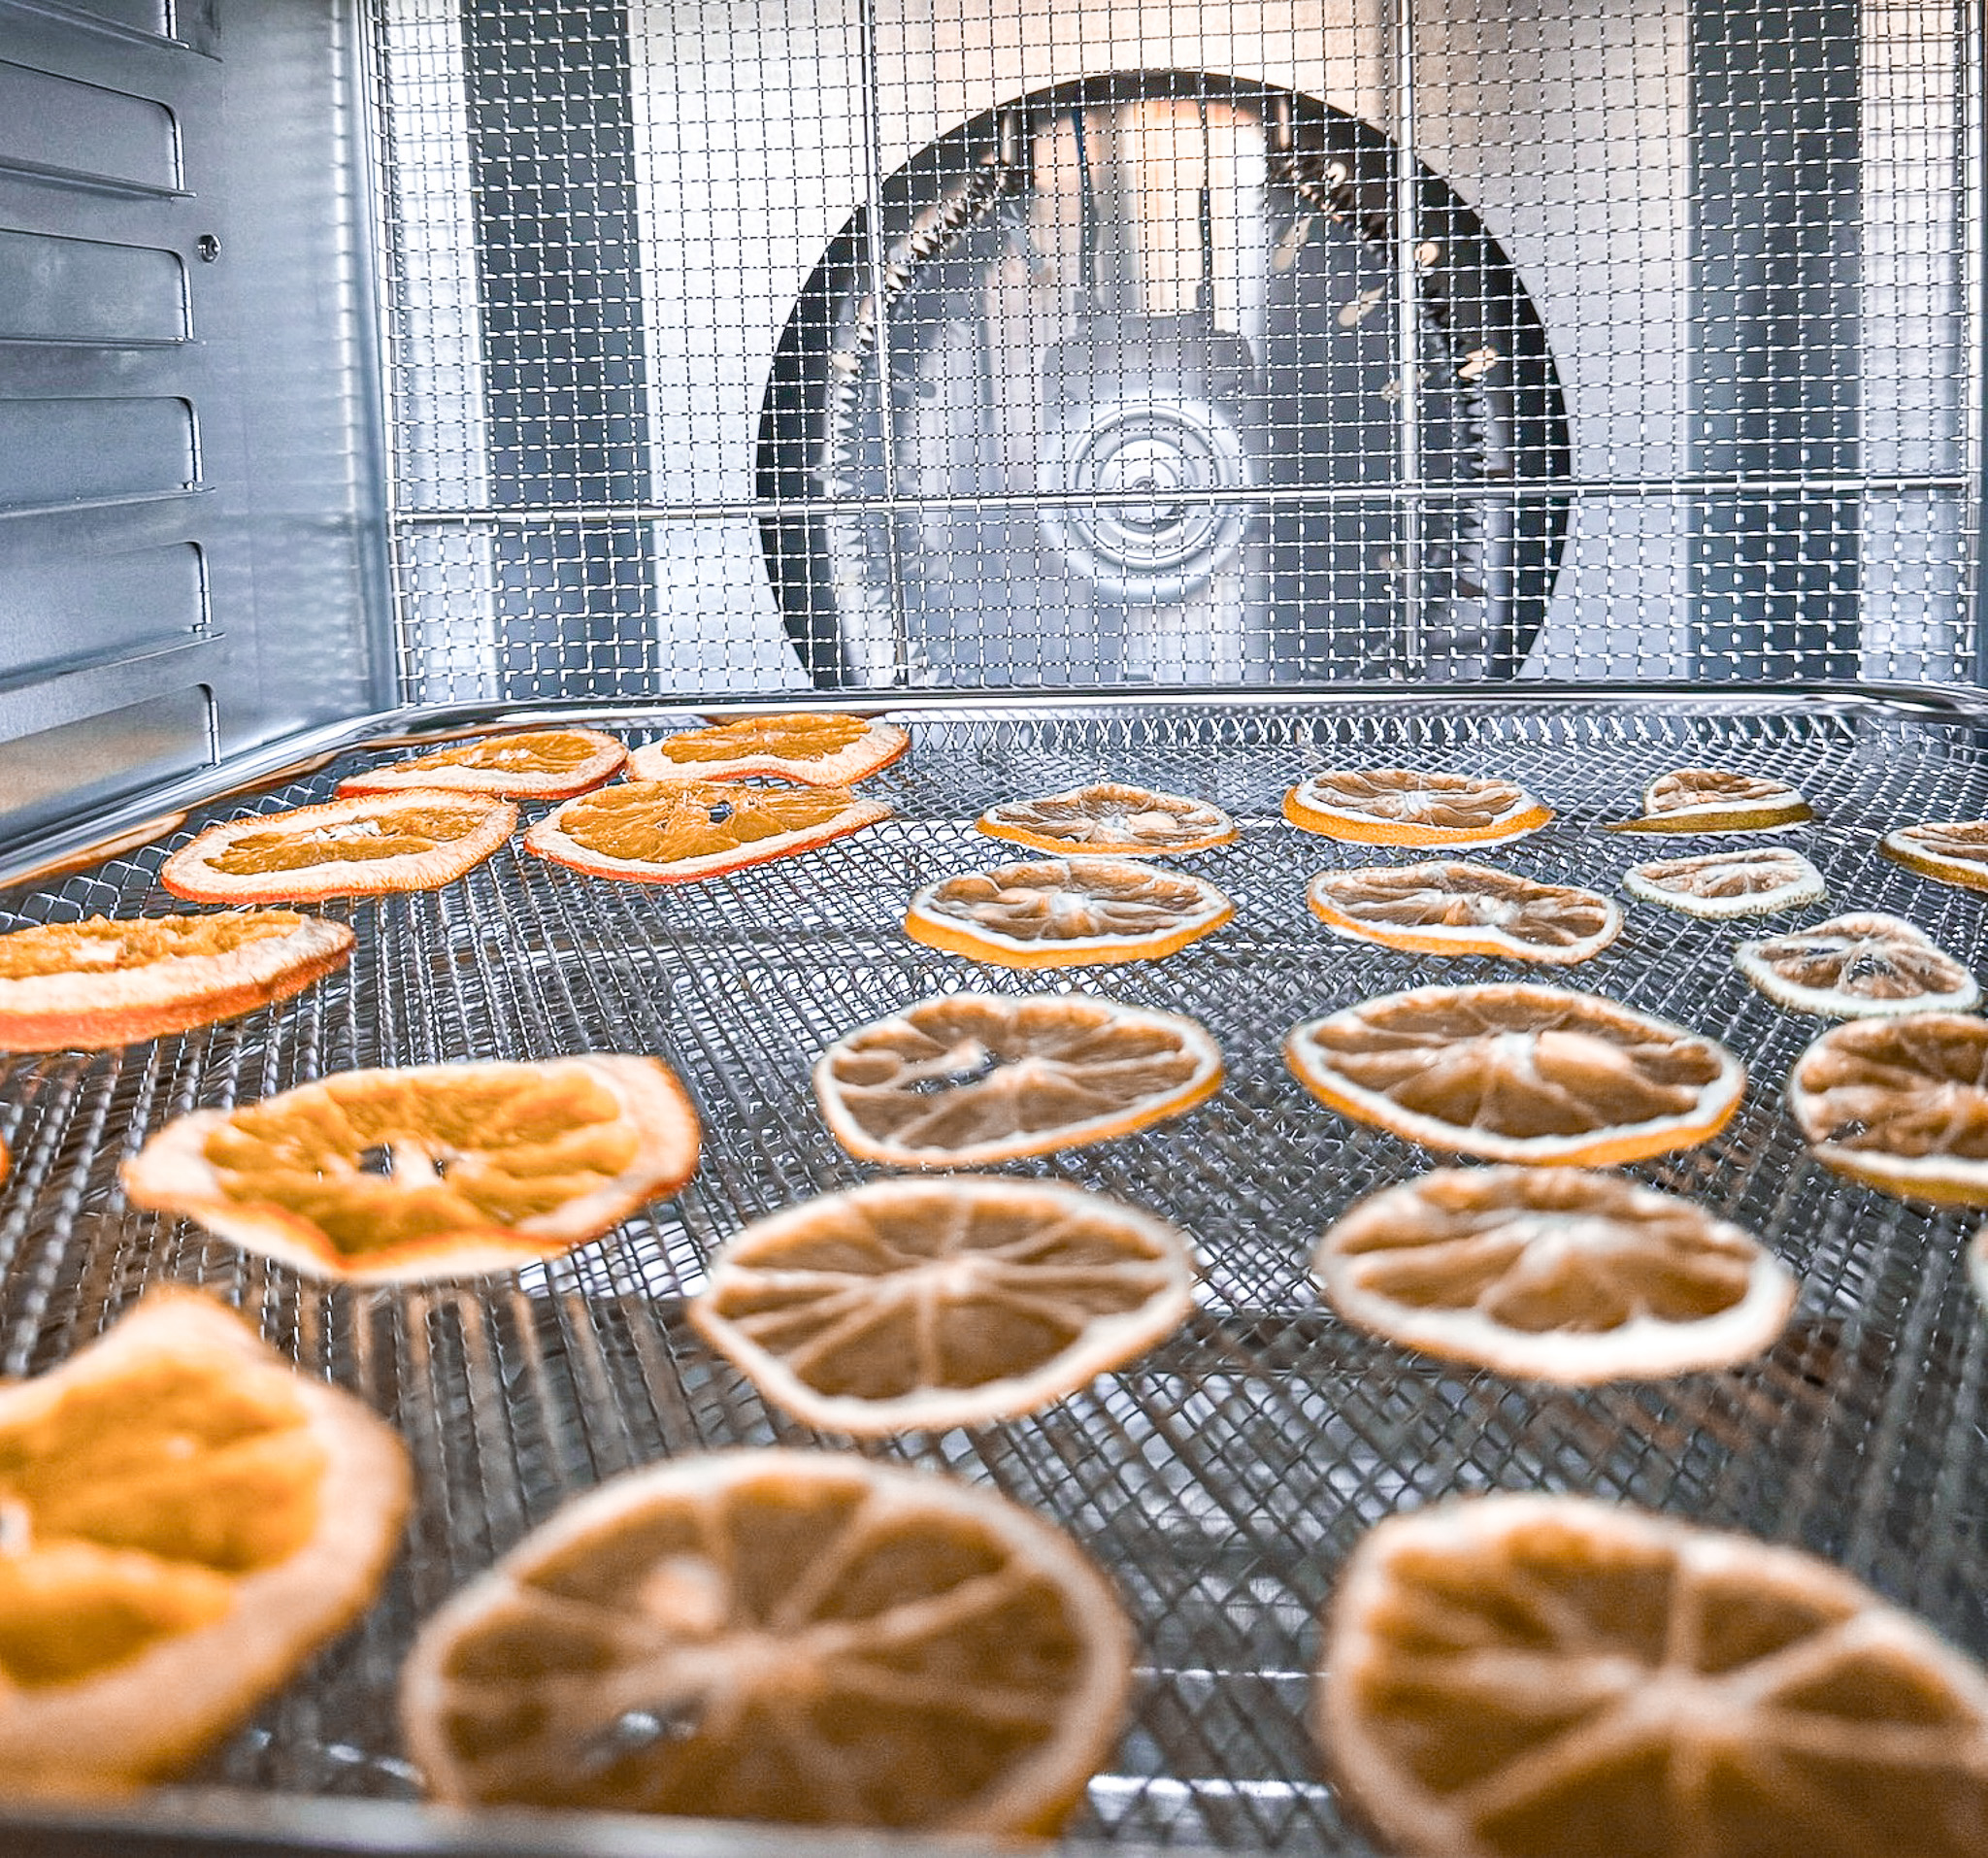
<point>871,345</point>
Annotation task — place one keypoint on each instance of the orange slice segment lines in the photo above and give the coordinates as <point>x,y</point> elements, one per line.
<point>529,764</point>
<point>819,751</point>
<point>1716,800</point>
<point>1406,807</point>
<point>1111,819</point>
<point>965,1080</point>
<point>907,1305</point>
<point>1858,967</point>
<point>1951,851</point>
<point>1752,880</point>
<point>1448,907</point>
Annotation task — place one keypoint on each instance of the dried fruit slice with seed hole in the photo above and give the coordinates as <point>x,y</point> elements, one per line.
<point>1404,807</point>
<point>1858,967</point>
<point>1899,1103</point>
<point>1547,1677</point>
<point>1753,881</point>
<point>1554,1274</point>
<point>1111,819</point>
<point>105,981</point>
<point>658,832</point>
<point>796,1636</point>
<point>908,1305</point>
<point>528,764</point>
<point>1948,850</point>
<point>184,1521</point>
<point>965,1080</point>
<point>1447,906</point>
<point>360,847</point>
<point>1716,800</point>
<point>437,1170</point>
<point>826,751</point>
<point>1520,1072</point>
<point>1062,913</point>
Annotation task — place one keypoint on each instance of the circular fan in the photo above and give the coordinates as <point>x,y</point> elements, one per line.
<point>1126,405</point>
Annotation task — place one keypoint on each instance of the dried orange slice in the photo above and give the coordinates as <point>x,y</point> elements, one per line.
<point>658,832</point>
<point>1715,800</point>
<point>1111,819</point>
<point>419,840</point>
<point>1858,967</point>
<point>1447,906</point>
<point>184,1520</point>
<point>1900,1103</point>
<point>438,1171</point>
<point>105,983</point>
<point>1554,1274</point>
<point>1754,880</point>
<point>526,764</point>
<point>797,1636</point>
<point>1066,912</point>
<point>1546,1676</point>
<point>968,1079</point>
<point>912,1306</point>
<point>1520,1072</point>
<point>826,751</point>
<point>1401,806</point>
<point>1949,850</point>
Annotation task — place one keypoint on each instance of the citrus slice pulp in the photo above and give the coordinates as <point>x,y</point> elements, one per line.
<point>1520,1072</point>
<point>1949,850</point>
<point>186,1520</point>
<point>437,1170</point>
<point>1754,880</point>
<point>1402,807</point>
<point>827,751</point>
<point>526,764</point>
<point>907,1305</point>
<point>1548,1676</point>
<point>417,840</point>
<point>787,1636</point>
<point>1111,819</point>
<point>1858,967</point>
<point>1899,1103</point>
<point>1063,912</point>
<point>660,832</point>
<point>963,1079</point>
<point>1716,800</point>
<point>1553,1274</point>
<point>1448,907</point>
<point>103,982</point>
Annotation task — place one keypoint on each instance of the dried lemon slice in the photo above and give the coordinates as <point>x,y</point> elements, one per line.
<point>1111,819</point>
<point>437,1170</point>
<point>184,1521</point>
<point>1715,800</point>
<point>797,1636</point>
<point>656,832</point>
<point>1448,907</point>
<point>1554,1274</point>
<point>910,1306</point>
<point>1064,913</point>
<point>1949,850</point>
<point>1401,806</point>
<point>413,840</point>
<point>964,1080</point>
<point>1520,1072</point>
<point>1545,1677</point>
<point>1858,967</point>
<point>1899,1103</point>
<point>536,764</point>
<point>827,751</point>
<point>1754,880</point>
<point>105,983</point>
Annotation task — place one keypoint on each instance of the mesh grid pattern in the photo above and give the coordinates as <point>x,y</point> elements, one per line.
<point>1222,1478</point>
<point>744,347</point>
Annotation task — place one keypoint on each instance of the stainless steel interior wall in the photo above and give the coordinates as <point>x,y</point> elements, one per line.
<point>1750,234</point>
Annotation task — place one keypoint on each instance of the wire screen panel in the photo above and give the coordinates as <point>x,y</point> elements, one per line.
<point>1221,1478</point>
<point>1248,342</point>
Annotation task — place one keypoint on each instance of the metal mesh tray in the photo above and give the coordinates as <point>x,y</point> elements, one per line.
<point>1223,1477</point>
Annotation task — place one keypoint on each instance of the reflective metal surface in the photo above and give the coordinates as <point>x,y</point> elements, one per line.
<point>1125,327</point>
